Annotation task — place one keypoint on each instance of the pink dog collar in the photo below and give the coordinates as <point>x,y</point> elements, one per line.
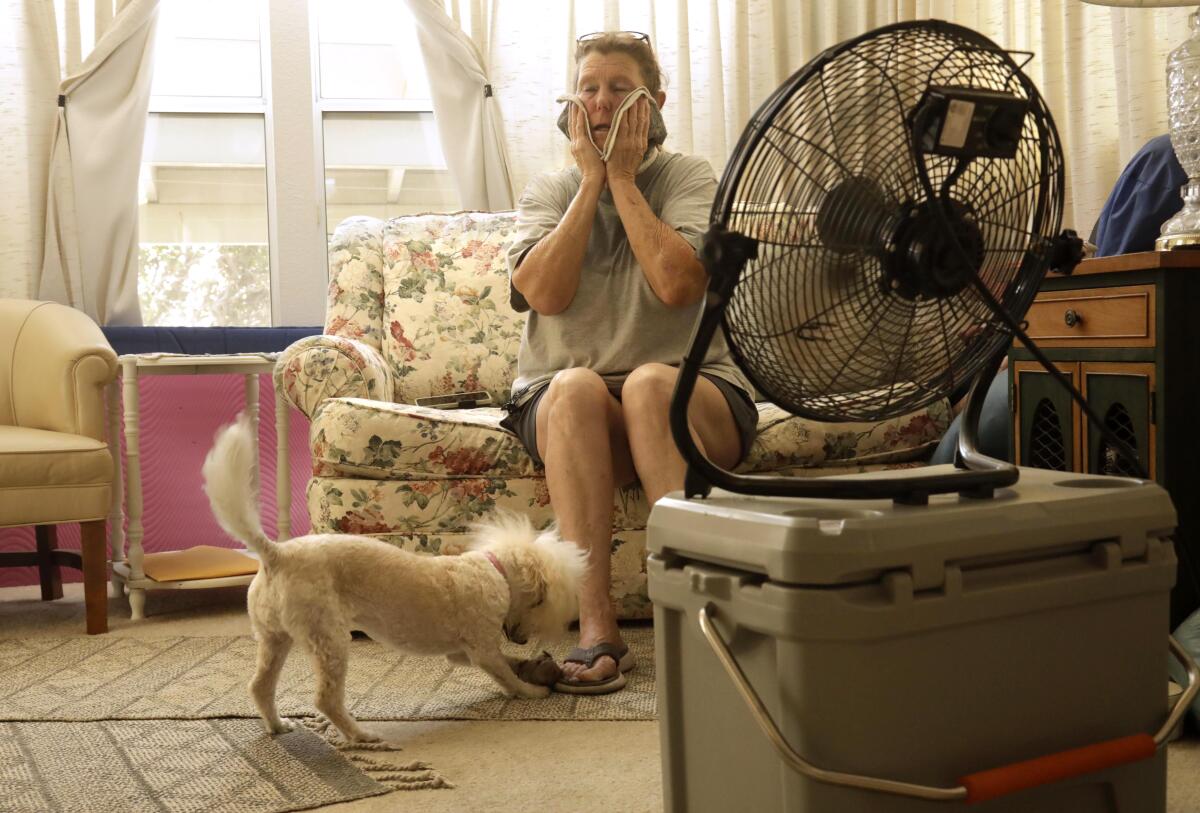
<point>492,558</point>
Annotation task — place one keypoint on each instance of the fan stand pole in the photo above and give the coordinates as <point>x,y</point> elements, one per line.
<point>967,455</point>
<point>695,481</point>
<point>724,255</point>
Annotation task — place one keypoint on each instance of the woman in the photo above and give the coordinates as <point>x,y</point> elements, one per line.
<point>604,261</point>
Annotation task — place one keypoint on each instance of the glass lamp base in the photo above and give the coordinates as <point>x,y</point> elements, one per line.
<point>1183,229</point>
<point>1172,241</point>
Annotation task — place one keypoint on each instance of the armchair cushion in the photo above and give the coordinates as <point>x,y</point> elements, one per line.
<point>37,457</point>
<point>785,440</point>
<point>447,323</point>
<point>52,477</point>
<point>355,437</point>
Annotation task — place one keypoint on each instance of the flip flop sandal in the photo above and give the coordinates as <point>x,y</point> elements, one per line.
<point>588,657</point>
<point>618,652</point>
<point>606,686</point>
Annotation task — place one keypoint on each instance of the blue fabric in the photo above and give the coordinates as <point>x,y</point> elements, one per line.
<point>1146,196</point>
<point>201,340</point>
<point>995,426</point>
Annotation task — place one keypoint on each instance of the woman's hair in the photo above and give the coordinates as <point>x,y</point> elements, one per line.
<point>618,42</point>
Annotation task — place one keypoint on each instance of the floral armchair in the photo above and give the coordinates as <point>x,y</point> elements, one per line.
<point>418,306</point>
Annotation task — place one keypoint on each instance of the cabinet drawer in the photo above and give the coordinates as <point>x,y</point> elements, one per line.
<point>1094,317</point>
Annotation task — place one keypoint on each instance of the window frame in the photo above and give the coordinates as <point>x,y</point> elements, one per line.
<point>293,113</point>
<point>262,105</point>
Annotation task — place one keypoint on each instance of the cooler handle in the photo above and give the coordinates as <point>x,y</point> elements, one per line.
<point>974,787</point>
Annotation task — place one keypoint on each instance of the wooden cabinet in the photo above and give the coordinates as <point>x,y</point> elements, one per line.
<point>1046,419</point>
<point>1054,433</point>
<point>1126,331</point>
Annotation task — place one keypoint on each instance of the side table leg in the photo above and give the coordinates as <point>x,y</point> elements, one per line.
<point>283,469</point>
<point>116,513</point>
<point>252,411</point>
<point>137,596</point>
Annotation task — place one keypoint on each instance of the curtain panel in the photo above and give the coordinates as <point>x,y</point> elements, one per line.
<point>468,119</point>
<point>1102,70</point>
<point>29,74</point>
<point>91,242</point>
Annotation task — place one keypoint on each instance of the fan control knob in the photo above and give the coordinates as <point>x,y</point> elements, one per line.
<point>1072,317</point>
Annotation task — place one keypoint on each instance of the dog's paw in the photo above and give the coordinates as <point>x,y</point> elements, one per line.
<point>279,726</point>
<point>361,736</point>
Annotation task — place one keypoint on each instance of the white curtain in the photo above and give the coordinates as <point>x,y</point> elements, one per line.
<point>468,119</point>
<point>91,242</point>
<point>1101,70</point>
<point>29,72</point>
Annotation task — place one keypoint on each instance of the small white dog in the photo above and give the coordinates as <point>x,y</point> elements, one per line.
<point>316,589</point>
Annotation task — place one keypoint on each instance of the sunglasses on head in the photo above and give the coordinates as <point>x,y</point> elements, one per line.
<point>637,36</point>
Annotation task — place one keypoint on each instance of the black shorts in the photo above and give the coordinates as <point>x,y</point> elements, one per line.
<point>522,418</point>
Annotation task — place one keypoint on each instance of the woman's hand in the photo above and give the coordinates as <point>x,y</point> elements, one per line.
<point>582,150</point>
<point>632,140</point>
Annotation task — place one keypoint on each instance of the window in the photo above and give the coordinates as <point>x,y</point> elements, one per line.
<point>219,200</point>
<point>203,221</point>
<point>382,153</point>
<point>202,197</point>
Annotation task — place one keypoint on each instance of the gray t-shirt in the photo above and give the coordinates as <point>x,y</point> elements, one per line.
<point>616,322</point>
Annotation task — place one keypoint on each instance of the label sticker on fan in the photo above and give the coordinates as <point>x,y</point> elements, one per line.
<point>957,124</point>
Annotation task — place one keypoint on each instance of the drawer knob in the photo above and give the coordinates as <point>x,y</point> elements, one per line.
<point>1072,318</point>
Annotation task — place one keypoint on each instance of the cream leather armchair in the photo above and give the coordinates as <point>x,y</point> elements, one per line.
<point>55,466</point>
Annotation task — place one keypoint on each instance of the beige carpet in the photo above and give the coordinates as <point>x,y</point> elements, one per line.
<point>111,678</point>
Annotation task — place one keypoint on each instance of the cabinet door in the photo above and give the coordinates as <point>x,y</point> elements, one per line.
<point>1122,395</point>
<point>1046,419</point>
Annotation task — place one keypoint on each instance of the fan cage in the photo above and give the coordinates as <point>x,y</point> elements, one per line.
<point>820,179</point>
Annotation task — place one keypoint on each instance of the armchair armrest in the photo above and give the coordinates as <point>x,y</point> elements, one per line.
<point>56,364</point>
<point>320,367</point>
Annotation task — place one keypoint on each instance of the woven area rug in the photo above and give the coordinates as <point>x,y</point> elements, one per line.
<point>229,766</point>
<point>113,678</point>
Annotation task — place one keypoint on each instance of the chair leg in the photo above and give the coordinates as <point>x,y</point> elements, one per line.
<point>48,572</point>
<point>95,575</point>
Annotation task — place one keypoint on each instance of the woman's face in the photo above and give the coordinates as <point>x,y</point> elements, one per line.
<point>604,82</point>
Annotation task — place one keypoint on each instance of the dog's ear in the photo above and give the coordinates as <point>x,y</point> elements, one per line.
<point>533,578</point>
<point>536,586</point>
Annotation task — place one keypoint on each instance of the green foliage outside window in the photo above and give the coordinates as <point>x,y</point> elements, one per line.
<point>205,284</point>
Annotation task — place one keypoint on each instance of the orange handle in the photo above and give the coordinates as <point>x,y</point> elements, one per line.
<point>1007,779</point>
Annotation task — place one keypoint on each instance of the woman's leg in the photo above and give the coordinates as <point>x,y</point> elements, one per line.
<point>581,440</point>
<point>646,402</point>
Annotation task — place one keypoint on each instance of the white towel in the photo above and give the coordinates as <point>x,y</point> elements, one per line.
<point>657,134</point>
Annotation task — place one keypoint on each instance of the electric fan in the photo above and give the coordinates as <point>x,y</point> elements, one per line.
<point>880,230</point>
<point>882,227</point>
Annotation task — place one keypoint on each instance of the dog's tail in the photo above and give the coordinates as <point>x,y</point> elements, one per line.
<point>231,483</point>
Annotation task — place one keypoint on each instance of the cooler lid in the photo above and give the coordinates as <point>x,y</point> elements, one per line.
<point>825,542</point>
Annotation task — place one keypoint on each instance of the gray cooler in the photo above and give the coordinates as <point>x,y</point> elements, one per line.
<point>902,650</point>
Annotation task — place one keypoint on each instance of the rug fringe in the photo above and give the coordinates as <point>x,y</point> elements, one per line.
<point>414,775</point>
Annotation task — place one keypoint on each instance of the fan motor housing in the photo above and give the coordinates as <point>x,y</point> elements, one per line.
<point>924,263</point>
